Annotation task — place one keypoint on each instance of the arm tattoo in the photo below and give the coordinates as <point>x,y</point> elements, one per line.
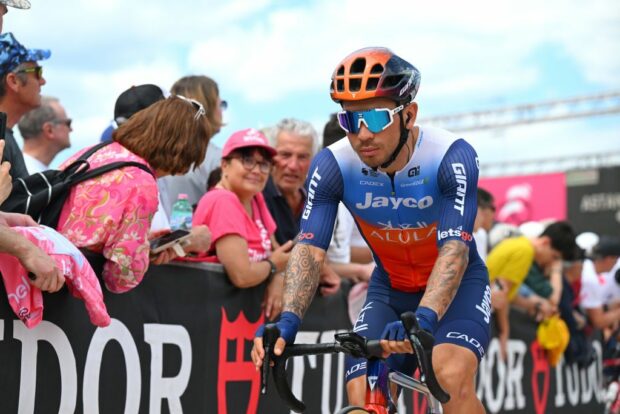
<point>446,276</point>
<point>301,281</point>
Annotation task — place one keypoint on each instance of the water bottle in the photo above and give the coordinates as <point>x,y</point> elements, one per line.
<point>181,216</point>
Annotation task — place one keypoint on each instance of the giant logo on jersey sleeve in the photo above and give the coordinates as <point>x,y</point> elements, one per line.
<point>406,251</point>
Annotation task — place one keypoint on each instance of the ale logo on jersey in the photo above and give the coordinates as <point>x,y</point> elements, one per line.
<point>414,172</point>
<point>371,201</point>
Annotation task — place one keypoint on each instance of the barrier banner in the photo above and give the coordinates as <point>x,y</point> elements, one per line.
<point>181,341</point>
<point>594,200</point>
<point>528,198</point>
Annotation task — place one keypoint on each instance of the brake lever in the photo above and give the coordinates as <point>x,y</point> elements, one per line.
<point>270,336</point>
<point>422,343</point>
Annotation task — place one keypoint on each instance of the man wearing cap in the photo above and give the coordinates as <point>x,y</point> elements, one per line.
<point>46,132</point>
<point>600,289</point>
<point>131,101</point>
<point>46,275</point>
<point>18,4</point>
<point>21,79</point>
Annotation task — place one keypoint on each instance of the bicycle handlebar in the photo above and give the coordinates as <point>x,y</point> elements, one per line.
<point>348,343</point>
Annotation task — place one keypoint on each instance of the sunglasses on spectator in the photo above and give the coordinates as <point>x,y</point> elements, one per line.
<point>66,122</point>
<point>200,110</point>
<point>223,105</point>
<point>250,162</point>
<point>37,70</point>
<point>376,119</point>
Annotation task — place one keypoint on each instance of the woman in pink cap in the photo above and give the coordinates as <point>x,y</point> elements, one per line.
<point>241,226</point>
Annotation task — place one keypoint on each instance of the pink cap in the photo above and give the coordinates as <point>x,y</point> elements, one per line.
<point>247,138</point>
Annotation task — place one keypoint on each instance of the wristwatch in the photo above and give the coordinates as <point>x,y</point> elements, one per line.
<point>272,270</point>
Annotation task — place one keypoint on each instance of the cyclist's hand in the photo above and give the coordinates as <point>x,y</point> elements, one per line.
<point>394,339</point>
<point>288,326</point>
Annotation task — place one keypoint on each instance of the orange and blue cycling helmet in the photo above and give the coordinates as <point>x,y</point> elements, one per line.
<point>374,72</point>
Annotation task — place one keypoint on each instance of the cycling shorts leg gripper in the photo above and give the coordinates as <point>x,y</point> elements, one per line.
<point>373,317</point>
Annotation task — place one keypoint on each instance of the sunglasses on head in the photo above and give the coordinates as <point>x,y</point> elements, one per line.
<point>376,119</point>
<point>200,110</point>
<point>37,70</point>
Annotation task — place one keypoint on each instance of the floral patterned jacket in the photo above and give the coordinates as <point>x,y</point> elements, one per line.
<point>111,214</point>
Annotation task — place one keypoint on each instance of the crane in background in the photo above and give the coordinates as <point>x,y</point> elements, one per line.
<point>554,110</point>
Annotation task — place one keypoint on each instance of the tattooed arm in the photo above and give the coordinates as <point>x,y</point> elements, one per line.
<point>446,276</point>
<point>302,278</point>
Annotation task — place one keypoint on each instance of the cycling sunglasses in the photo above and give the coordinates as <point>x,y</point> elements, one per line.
<point>376,119</point>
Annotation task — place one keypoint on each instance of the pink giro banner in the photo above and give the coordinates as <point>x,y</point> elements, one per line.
<point>528,197</point>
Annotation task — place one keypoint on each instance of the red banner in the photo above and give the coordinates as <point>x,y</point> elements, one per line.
<point>528,197</point>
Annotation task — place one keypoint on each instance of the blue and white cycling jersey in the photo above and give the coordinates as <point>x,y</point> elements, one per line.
<point>404,218</point>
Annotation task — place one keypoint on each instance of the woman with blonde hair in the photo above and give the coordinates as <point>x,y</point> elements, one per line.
<point>111,214</point>
<point>194,184</point>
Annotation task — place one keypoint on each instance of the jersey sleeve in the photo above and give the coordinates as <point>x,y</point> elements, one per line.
<point>457,177</point>
<point>324,187</point>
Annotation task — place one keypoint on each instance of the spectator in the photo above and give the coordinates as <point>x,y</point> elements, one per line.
<point>509,263</point>
<point>600,291</point>
<point>484,221</point>
<point>130,101</point>
<point>21,79</point>
<point>47,277</point>
<point>579,348</point>
<point>296,142</point>
<point>242,228</point>
<point>46,132</point>
<point>18,4</point>
<point>111,214</point>
<point>204,90</point>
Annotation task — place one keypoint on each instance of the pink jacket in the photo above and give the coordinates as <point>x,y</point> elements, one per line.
<point>27,300</point>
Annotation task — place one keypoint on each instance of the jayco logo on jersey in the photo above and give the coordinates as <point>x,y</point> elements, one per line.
<point>485,305</point>
<point>461,180</point>
<point>314,183</point>
<point>394,202</point>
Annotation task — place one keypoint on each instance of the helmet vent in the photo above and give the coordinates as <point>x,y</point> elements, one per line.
<point>358,66</point>
<point>377,68</point>
<point>340,85</point>
<point>355,85</point>
<point>340,71</point>
<point>372,83</point>
<point>392,81</point>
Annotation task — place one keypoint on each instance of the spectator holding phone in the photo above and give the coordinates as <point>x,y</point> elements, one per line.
<point>242,229</point>
<point>111,214</point>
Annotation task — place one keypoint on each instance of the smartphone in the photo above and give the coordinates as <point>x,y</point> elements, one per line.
<point>2,124</point>
<point>169,240</point>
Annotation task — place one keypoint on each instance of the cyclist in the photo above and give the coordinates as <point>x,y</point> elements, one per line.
<point>412,191</point>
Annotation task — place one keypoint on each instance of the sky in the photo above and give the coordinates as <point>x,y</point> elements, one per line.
<point>274,59</point>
